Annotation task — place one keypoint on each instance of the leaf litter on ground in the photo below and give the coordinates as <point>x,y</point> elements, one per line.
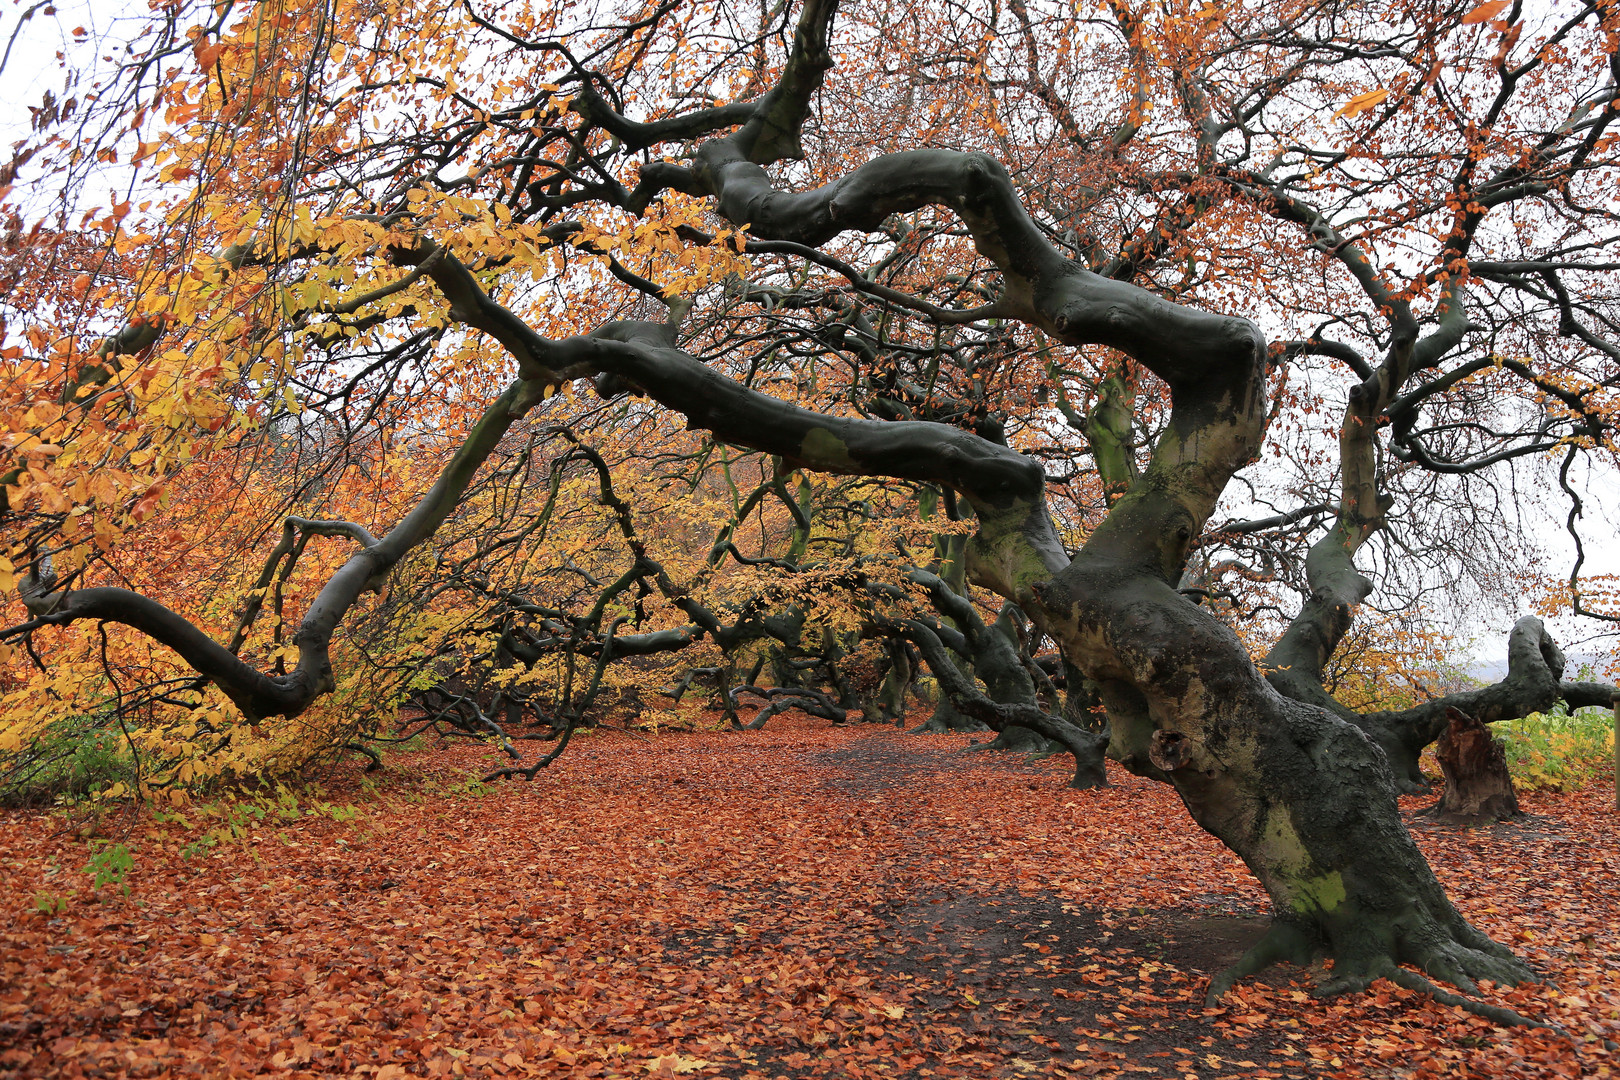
<point>803,901</point>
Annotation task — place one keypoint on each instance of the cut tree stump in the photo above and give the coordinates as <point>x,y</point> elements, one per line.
<point>1478,788</point>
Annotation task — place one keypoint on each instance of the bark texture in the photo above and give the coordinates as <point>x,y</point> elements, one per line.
<point>1479,789</point>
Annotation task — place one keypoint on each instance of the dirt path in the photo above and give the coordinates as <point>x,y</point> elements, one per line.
<point>1027,981</point>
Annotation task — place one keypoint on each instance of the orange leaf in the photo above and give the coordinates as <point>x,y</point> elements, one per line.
<point>207,55</point>
<point>1484,12</point>
<point>1361,103</point>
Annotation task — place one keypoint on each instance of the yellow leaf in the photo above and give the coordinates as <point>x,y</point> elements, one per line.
<point>8,575</point>
<point>52,499</point>
<point>1361,103</point>
<point>1484,12</point>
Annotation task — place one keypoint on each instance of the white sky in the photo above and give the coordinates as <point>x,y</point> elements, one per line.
<point>32,66</point>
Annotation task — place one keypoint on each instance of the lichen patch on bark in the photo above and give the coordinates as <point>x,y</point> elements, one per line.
<point>822,449</point>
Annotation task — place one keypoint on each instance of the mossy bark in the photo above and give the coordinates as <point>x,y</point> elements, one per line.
<point>1304,798</point>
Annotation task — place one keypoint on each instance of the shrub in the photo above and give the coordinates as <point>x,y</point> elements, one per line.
<point>1558,751</point>
<point>74,759</point>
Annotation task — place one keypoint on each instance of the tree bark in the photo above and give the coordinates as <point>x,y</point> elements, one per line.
<point>1479,789</point>
<point>1304,798</point>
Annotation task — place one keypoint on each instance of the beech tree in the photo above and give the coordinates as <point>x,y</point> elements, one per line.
<point>383,275</point>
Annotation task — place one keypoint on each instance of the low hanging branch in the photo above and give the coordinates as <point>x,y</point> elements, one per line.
<point>256,693</point>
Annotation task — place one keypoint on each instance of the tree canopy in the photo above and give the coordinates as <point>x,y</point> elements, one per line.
<point>1126,366</point>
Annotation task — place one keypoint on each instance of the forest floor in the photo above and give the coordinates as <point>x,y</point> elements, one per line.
<point>802,901</point>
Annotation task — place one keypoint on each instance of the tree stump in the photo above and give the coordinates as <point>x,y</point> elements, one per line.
<point>1478,788</point>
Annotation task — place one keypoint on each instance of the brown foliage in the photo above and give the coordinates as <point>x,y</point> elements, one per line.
<point>801,901</point>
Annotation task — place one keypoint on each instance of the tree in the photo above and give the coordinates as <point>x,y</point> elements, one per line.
<point>1018,260</point>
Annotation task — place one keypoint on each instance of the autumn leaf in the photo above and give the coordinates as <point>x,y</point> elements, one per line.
<point>207,55</point>
<point>1361,103</point>
<point>1485,12</point>
<point>675,1064</point>
<point>623,928</point>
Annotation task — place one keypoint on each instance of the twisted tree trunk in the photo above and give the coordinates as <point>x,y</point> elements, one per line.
<point>1302,794</point>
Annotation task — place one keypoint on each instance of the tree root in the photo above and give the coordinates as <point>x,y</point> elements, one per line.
<point>1087,773</point>
<point>1035,747</point>
<point>999,744</point>
<point>1086,778</point>
<point>1497,1014</point>
<point>1283,943</point>
<point>1459,963</point>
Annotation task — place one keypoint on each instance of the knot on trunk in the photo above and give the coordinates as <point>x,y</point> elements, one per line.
<point>1171,750</point>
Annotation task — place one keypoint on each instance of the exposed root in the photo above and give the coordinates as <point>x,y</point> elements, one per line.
<point>1497,1014</point>
<point>1458,962</point>
<point>1461,965</point>
<point>1088,773</point>
<point>1283,943</point>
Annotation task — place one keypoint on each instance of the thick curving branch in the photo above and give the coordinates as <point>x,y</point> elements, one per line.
<point>1295,664</point>
<point>1042,285</point>
<point>1214,364</point>
<point>1017,543</point>
<point>768,128</point>
<point>1534,683</point>
<point>257,694</point>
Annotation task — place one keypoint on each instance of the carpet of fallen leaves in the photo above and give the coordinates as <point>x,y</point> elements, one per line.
<point>797,902</point>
